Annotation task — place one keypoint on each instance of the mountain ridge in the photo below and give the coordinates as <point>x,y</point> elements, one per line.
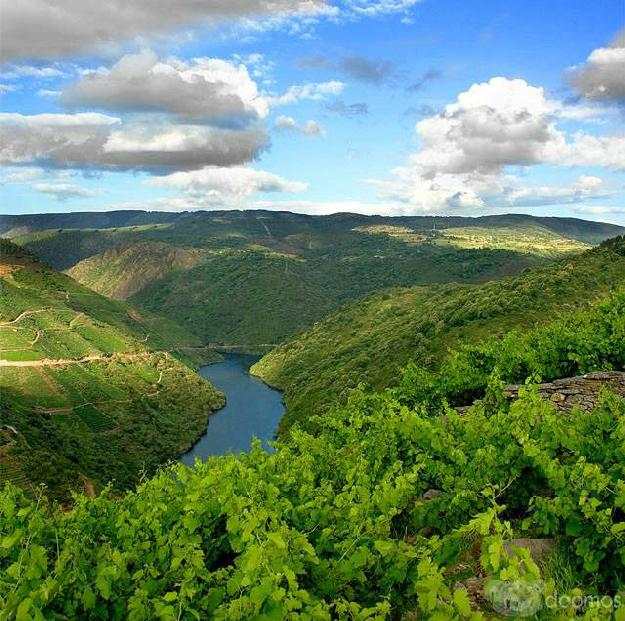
<point>256,277</point>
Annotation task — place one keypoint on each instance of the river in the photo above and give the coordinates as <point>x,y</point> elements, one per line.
<point>252,409</point>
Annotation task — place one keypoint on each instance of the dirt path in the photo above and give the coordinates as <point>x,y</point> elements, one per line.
<point>66,361</point>
<point>37,337</point>
<point>22,315</point>
<point>265,227</point>
<point>75,319</point>
<point>72,408</point>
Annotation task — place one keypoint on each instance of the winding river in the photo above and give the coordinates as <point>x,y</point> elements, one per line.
<point>252,409</point>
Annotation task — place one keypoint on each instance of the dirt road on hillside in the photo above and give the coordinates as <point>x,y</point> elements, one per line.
<point>66,361</point>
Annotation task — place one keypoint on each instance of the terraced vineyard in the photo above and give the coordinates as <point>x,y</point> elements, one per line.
<point>88,390</point>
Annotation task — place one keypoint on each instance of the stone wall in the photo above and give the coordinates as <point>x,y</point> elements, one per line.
<point>582,391</point>
<point>568,392</point>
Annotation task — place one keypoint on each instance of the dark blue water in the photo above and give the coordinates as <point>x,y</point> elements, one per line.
<point>252,409</point>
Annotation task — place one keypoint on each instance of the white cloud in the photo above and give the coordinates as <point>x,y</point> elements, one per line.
<point>24,174</point>
<point>373,8</point>
<point>289,124</point>
<point>493,125</point>
<point>44,29</point>
<point>587,187</point>
<point>586,150</point>
<point>7,88</point>
<point>602,76</point>
<point>83,119</point>
<point>101,141</point>
<point>600,210</point>
<point>16,72</point>
<point>63,191</point>
<point>226,186</point>
<point>215,90</point>
<point>321,208</point>
<point>285,123</point>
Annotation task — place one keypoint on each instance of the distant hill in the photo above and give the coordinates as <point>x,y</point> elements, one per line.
<point>572,228</point>
<point>88,392</point>
<point>254,278</point>
<point>15,225</point>
<point>370,339</point>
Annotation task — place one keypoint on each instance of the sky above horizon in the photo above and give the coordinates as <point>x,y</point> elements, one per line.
<point>397,107</point>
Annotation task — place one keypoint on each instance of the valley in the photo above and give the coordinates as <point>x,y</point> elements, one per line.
<point>254,278</point>
<point>312,310</point>
<point>88,385</point>
<point>401,462</point>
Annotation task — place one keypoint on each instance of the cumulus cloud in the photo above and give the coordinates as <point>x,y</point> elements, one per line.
<point>285,123</point>
<point>602,76</point>
<point>586,187</point>
<point>44,29</point>
<point>63,191</point>
<point>216,185</point>
<point>587,150</point>
<point>215,90</point>
<point>174,115</point>
<point>101,141</point>
<point>491,126</point>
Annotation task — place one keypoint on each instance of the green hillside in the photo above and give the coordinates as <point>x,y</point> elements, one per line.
<point>88,392</point>
<point>397,508</point>
<point>370,339</point>
<point>122,271</point>
<point>252,279</point>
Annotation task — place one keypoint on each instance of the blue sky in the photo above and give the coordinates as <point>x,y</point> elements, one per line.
<point>376,106</point>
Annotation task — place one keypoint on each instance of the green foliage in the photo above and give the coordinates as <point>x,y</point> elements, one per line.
<point>329,526</point>
<point>253,279</point>
<point>579,342</point>
<point>369,340</point>
<point>75,425</point>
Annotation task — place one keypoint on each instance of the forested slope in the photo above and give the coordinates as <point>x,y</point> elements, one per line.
<point>255,278</point>
<point>396,508</point>
<point>370,339</point>
<point>88,390</point>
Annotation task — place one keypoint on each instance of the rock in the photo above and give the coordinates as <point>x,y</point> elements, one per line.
<point>431,494</point>
<point>569,392</point>
<point>538,548</point>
